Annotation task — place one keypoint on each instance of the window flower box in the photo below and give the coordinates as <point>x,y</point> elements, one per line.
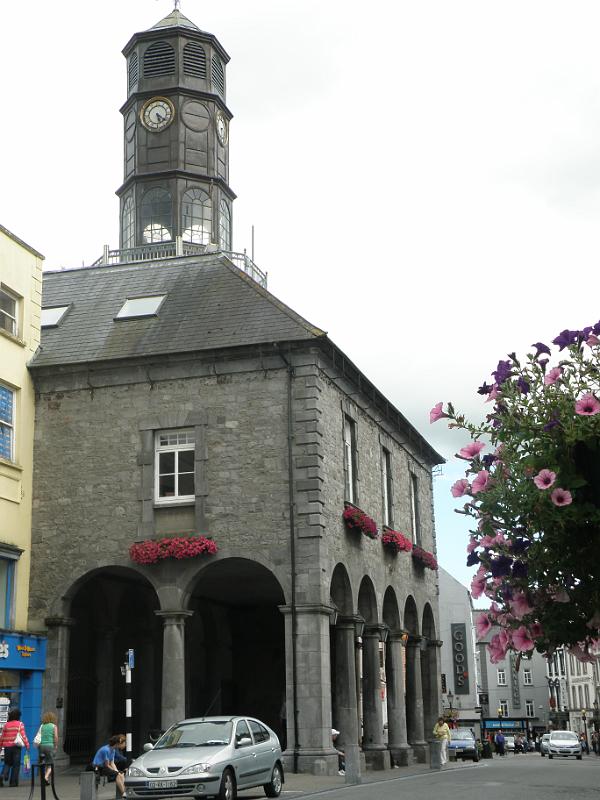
<point>356,519</point>
<point>396,542</point>
<point>151,551</point>
<point>423,558</point>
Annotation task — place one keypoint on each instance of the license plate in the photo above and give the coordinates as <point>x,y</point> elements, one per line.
<point>162,784</point>
<point>458,750</point>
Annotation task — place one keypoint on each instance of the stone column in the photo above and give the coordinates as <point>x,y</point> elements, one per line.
<point>430,671</point>
<point>173,670</point>
<point>396,706</point>
<point>57,677</point>
<point>308,690</point>
<point>414,699</point>
<point>376,753</point>
<point>345,700</point>
<point>105,679</point>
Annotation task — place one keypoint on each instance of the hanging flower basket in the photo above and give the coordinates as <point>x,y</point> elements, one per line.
<point>423,558</point>
<point>151,551</point>
<point>396,542</point>
<point>356,519</point>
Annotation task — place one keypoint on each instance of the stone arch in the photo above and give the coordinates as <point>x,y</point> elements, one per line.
<point>391,611</point>
<point>414,690</point>
<point>341,591</point>
<point>429,669</point>
<point>367,601</point>
<point>411,616</point>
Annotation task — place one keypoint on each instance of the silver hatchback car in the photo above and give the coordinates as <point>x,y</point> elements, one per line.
<point>208,757</point>
<point>564,744</point>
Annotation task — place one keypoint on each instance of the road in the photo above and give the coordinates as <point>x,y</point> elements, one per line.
<point>522,777</point>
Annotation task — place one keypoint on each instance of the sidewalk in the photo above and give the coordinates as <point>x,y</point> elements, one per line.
<point>296,785</point>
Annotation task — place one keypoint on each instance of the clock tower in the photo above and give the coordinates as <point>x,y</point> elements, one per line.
<point>176,138</point>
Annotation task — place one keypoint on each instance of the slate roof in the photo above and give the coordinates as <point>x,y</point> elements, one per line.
<point>209,304</point>
<point>175,19</point>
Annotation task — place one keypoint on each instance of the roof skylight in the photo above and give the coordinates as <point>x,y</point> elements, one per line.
<point>135,307</point>
<point>51,317</point>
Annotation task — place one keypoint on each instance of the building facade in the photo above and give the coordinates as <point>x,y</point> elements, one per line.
<point>459,675</point>
<point>21,654</point>
<point>178,399</point>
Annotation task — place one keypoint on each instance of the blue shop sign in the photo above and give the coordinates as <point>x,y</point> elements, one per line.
<point>22,652</point>
<point>503,723</point>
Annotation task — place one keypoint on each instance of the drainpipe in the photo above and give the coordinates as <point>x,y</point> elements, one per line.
<point>291,501</point>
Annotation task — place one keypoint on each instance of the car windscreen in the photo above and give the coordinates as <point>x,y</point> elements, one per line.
<point>568,735</point>
<point>196,734</point>
<point>461,733</point>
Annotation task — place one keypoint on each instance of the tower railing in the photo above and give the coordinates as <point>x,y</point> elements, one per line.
<point>177,249</point>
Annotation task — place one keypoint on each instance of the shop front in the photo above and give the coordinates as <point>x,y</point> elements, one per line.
<point>22,665</point>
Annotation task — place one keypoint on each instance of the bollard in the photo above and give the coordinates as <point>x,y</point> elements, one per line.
<point>87,786</point>
<point>435,754</point>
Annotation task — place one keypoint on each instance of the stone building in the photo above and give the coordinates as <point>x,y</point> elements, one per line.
<point>177,397</point>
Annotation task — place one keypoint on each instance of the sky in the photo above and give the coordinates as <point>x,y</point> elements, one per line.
<point>423,177</point>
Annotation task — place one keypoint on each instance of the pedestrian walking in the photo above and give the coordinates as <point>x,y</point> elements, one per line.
<point>500,742</point>
<point>13,739</point>
<point>441,731</point>
<point>48,742</point>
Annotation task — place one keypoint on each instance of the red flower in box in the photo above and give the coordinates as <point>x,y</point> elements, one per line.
<point>153,550</point>
<point>396,541</point>
<point>424,558</point>
<point>358,520</point>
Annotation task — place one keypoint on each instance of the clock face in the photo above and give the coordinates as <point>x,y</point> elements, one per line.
<point>221,126</point>
<point>157,113</point>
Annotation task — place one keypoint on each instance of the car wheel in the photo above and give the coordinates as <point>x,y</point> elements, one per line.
<point>476,759</point>
<point>550,755</point>
<point>542,754</point>
<point>227,790</point>
<point>273,789</point>
<point>578,758</point>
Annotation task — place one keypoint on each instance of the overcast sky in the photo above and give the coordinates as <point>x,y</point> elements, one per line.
<point>423,176</point>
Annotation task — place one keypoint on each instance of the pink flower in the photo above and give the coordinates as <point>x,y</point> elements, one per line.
<point>505,636</point>
<point>477,586</point>
<point>501,539</point>
<point>536,631</point>
<point>493,394</point>
<point>594,621</point>
<point>544,479</point>
<point>560,596</point>
<point>473,545</point>
<point>497,649</point>
<point>522,640</point>
<point>487,541</point>
<point>481,481</point>
<point>592,339</point>
<point>561,497</point>
<point>587,405</point>
<point>483,625</point>
<point>520,605</point>
<point>461,487</point>
<point>553,375</point>
<point>471,450</point>
<point>436,413</point>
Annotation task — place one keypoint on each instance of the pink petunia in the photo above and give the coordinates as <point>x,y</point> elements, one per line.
<point>544,479</point>
<point>552,376</point>
<point>487,541</point>
<point>496,649</point>
<point>482,625</point>
<point>473,545</point>
<point>520,605</point>
<point>536,630</point>
<point>522,640</point>
<point>477,586</point>
<point>561,497</point>
<point>501,539</point>
<point>471,450</point>
<point>587,405</point>
<point>481,481</point>
<point>460,487</point>
<point>592,340</point>
<point>493,394</point>
<point>436,413</point>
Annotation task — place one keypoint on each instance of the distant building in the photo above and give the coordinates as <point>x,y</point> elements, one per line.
<point>22,654</point>
<point>459,675</point>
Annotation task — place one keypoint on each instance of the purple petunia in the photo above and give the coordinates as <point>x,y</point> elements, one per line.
<point>565,338</point>
<point>520,569</point>
<point>502,373</point>
<point>500,566</point>
<point>485,388</point>
<point>472,559</point>
<point>541,348</point>
<point>523,385</point>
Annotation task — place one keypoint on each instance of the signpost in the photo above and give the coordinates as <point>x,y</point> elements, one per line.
<point>126,670</point>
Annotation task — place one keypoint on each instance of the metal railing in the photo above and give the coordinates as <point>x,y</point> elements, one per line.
<point>177,249</point>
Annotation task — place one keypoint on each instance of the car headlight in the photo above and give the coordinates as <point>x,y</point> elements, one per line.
<point>134,772</point>
<point>196,769</point>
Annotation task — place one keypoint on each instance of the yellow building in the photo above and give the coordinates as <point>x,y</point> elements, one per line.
<point>20,304</point>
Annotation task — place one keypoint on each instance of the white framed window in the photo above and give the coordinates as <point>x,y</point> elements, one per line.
<point>136,307</point>
<point>386,481</point>
<point>503,706</point>
<point>529,708</point>
<point>174,466</point>
<point>7,423</point>
<point>8,311</point>
<point>414,508</point>
<point>527,677</point>
<point>350,459</point>
<point>52,316</point>
<point>501,677</point>
<point>8,567</point>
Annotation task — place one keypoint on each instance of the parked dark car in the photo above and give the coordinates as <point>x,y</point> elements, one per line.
<point>462,743</point>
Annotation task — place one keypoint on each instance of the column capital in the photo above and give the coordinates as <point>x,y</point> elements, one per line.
<point>175,616</point>
<point>434,643</point>
<point>398,635</point>
<point>413,640</point>
<point>309,608</point>
<point>375,631</point>
<point>60,622</point>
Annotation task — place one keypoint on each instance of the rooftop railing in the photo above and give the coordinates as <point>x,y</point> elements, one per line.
<point>177,249</point>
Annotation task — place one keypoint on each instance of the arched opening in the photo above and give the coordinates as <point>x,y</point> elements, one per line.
<point>113,611</point>
<point>157,216</point>
<point>429,670</point>
<point>414,692</point>
<point>197,216</point>
<point>235,643</point>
